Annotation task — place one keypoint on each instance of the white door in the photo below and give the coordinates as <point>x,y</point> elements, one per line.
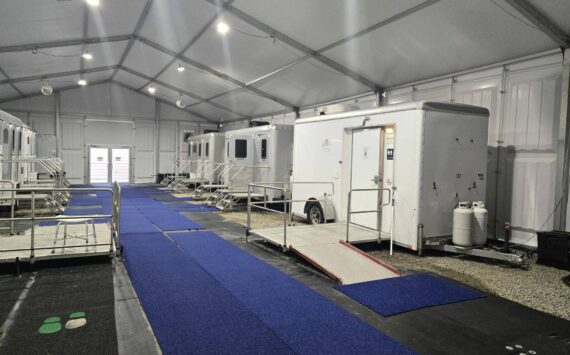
<point>98,165</point>
<point>241,157</point>
<point>387,180</point>
<point>366,147</point>
<point>120,164</point>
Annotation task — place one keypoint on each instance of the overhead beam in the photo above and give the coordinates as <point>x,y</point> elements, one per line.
<point>140,23</point>
<point>190,44</point>
<point>295,44</point>
<point>9,82</point>
<point>58,75</point>
<point>128,87</point>
<point>214,72</point>
<point>363,32</point>
<point>182,91</point>
<point>380,24</point>
<point>64,43</point>
<point>543,23</point>
<point>65,88</point>
<point>192,41</point>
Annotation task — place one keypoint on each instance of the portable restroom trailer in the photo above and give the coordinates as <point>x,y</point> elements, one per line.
<point>427,156</point>
<point>18,142</point>
<point>258,154</point>
<point>206,153</point>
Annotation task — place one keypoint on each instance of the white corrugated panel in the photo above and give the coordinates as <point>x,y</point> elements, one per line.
<point>72,149</point>
<point>529,161</point>
<point>125,102</point>
<point>167,146</point>
<point>145,162</point>
<point>112,133</point>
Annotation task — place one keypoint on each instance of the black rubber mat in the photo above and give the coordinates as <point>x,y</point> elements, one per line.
<point>61,294</point>
<point>10,289</point>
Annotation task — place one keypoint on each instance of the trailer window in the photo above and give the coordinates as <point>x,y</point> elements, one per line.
<point>20,141</point>
<point>241,148</point>
<point>5,136</point>
<point>200,150</point>
<point>13,140</point>
<point>228,150</point>
<point>194,148</point>
<point>264,149</point>
<point>207,149</point>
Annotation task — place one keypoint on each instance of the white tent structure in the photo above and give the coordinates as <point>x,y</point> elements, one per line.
<point>161,69</point>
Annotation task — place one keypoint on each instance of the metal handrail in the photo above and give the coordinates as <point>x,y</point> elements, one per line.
<point>249,205</point>
<point>115,216</point>
<point>287,202</point>
<point>349,211</point>
<point>302,183</point>
<point>12,203</point>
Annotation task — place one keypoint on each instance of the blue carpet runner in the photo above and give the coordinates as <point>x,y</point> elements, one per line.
<point>206,296</point>
<point>305,320</point>
<point>407,293</point>
<point>190,312</point>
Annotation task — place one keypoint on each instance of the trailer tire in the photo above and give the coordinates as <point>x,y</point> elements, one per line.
<point>315,214</point>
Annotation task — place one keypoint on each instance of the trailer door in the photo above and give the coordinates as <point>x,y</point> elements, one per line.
<point>262,158</point>
<point>365,174</point>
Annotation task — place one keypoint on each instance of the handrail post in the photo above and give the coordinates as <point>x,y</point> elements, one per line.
<point>248,213</point>
<point>284,225</point>
<point>12,207</point>
<point>348,212</point>
<point>33,225</point>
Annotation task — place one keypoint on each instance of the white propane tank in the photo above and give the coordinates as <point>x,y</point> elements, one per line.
<point>480,217</point>
<point>463,225</point>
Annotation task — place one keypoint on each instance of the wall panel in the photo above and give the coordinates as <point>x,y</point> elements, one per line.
<point>73,149</point>
<point>145,162</point>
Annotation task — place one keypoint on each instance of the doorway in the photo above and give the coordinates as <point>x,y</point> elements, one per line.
<point>108,165</point>
<point>372,155</point>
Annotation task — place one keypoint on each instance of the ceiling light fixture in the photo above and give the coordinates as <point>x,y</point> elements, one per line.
<point>87,55</point>
<point>180,68</point>
<point>81,82</point>
<point>92,2</point>
<point>180,103</point>
<point>46,89</point>
<point>151,90</point>
<point>222,28</point>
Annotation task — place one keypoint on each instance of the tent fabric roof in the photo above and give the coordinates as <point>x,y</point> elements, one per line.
<point>277,57</point>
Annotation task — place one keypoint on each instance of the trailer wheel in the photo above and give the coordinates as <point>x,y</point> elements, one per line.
<point>315,214</point>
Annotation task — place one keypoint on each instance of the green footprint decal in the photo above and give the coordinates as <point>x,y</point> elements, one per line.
<point>50,326</point>
<point>76,320</point>
<point>53,324</point>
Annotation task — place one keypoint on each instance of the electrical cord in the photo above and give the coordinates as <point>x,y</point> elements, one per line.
<point>37,51</point>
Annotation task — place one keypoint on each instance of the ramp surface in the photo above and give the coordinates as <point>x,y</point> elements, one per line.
<point>322,246</point>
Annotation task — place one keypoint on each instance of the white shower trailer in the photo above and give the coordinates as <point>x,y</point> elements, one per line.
<point>206,153</point>
<point>258,154</point>
<point>425,156</point>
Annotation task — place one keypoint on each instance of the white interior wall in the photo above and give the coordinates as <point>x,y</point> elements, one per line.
<point>110,115</point>
<point>524,101</point>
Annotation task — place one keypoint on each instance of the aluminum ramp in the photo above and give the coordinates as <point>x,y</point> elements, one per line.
<point>322,246</point>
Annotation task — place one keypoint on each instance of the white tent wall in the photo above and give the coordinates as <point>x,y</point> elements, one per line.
<point>111,115</point>
<point>524,100</point>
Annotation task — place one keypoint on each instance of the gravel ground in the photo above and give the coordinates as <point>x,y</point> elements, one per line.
<point>259,220</point>
<point>540,287</point>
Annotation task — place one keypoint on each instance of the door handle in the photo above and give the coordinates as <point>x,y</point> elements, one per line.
<point>376,179</point>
